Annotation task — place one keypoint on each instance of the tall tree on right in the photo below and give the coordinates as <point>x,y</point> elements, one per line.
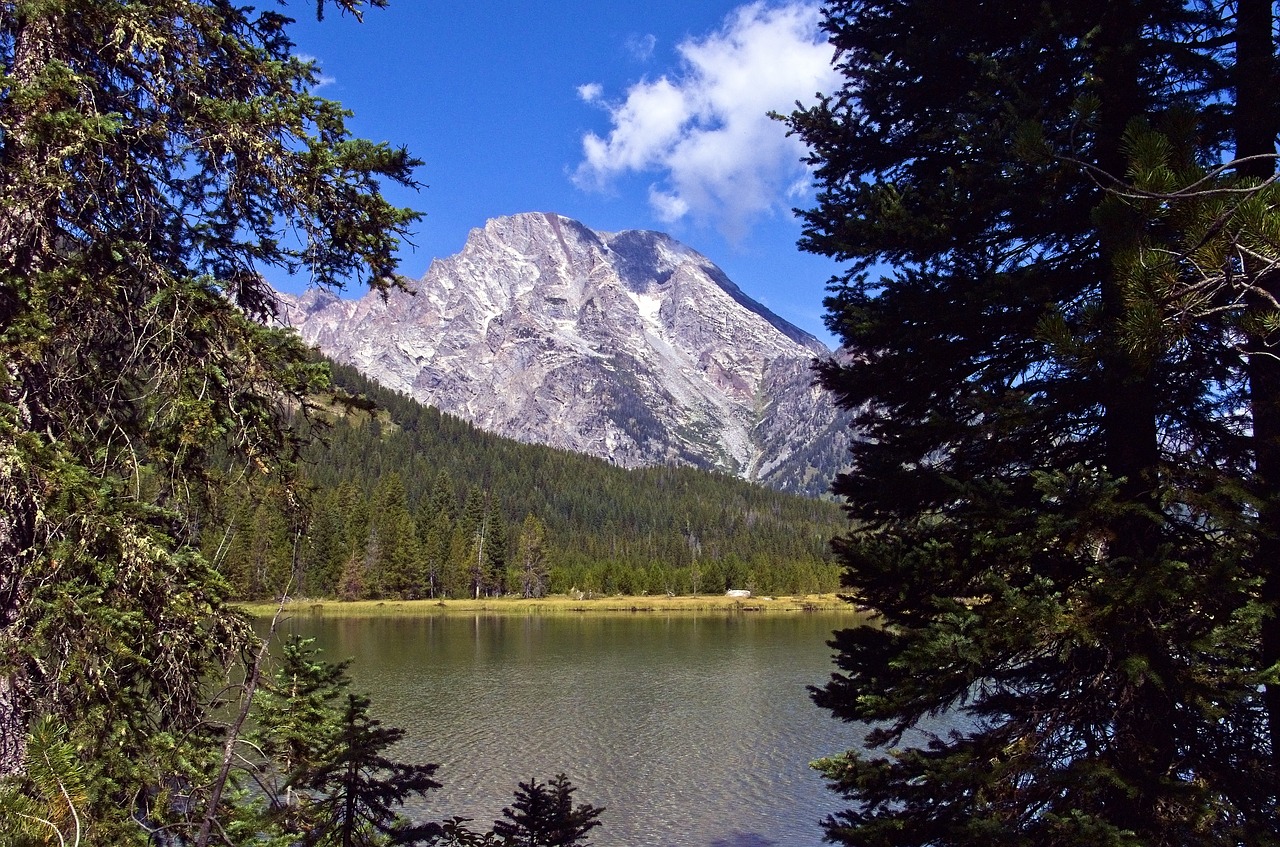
<point>1055,492</point>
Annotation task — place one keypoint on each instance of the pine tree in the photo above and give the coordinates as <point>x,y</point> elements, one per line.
<point>270,552</point>
<point>475,527</point>
<point>150,154</point>
<point>398,557</point>
<point>531,558</point>
<point>543,815</point>
<point>434,550</point>
<point>53,810</point>
<point>331,781</point>
<point>325,550</point>
<point>1047,490</point>
<point>456,579</point>
<point>495,556</point>
<point>444,498</point>
<point>1255,126</point>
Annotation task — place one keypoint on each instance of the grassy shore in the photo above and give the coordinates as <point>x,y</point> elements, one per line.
<point>557,605</point>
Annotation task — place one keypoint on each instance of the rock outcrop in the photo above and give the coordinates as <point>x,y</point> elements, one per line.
<point>629,346</point>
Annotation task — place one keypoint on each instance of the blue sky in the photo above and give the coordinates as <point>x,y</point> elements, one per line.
<point>623,115</point>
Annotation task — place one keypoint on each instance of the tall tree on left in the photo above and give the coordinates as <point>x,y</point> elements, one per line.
<point>156,157</point>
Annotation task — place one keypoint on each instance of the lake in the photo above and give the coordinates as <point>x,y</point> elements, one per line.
<point>691,730</point>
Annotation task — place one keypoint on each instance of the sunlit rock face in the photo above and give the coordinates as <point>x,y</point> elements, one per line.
<point>628,346</point>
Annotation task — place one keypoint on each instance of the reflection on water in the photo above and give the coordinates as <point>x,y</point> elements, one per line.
<point>690,730</point>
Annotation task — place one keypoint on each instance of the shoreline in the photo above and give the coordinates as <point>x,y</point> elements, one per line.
<point>561,604</point>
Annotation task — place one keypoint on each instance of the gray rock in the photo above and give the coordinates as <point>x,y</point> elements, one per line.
<point>628,346</point>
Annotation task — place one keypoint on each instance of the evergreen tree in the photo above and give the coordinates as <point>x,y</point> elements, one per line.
<point>444,498</point>
<point>325,550</point>
<point>457,571</point>
<point>333,783</point>
<point>434,550</point>
<point>543,815</point>
<point>531,558</point>
<point>398,557</point>
<point>475,529</point>
<point>150,155</point>
<point>358,788</point>
<point>495,556</point>
<point>270,552</point>
<point>353,581</point>
<point>50,811</point>
<point>1048,494</point>
<point>1254,250</point>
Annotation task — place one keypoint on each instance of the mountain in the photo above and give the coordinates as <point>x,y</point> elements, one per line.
<point>628,346</point>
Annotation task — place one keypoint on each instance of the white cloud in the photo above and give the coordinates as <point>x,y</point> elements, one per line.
<point>641,47</point>
<point>668,207</point>
<point>704,132</point>
<point>590,92</point>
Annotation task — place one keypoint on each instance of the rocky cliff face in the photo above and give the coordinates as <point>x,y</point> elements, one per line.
<point>628,346</point>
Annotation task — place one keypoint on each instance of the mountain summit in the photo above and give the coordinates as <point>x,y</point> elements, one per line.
<point>629,346</point>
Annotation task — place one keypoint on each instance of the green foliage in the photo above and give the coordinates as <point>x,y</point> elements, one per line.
<point>531,558</point>
<point>543,815</point>
<point>467,495</point>
<point>1056,498</point>
<point>151,153</point>
<point>328,779</point>
<point>50,809</point>
<point>324,777</point>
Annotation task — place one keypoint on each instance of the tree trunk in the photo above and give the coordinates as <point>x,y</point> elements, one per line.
<point>1256,124</point>
<point>27,230</point>
<point>1144,750</point>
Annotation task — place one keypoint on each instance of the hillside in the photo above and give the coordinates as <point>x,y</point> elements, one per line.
<point>410,502</point>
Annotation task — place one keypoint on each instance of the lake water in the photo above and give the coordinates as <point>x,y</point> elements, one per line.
<point>691,731</point>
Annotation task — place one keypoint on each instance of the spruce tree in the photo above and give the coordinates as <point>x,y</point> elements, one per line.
<point>1047,483</point>
<point>329,779</point>
<point>495,556</point>
<point>150,155</point>
<point>1255,126</point>
<point>476,526</point>
<point>543,815</point>
<point>531,558</point>
<point>398,555</point>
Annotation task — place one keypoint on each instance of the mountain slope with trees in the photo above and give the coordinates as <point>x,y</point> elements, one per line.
<point>629,346</point>
<point>409,502</point>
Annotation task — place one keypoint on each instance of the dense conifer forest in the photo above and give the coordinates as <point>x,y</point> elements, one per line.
<point>402,501</point>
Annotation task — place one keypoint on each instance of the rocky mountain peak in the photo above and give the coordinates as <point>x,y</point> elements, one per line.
<point>629,346</point>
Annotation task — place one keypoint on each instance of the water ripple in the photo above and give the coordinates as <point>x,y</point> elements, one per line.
<point>691,731</point>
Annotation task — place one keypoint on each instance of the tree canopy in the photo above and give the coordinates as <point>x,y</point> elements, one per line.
<point>1063,492</point>
<point>155,159</point>
<point>397,500</point>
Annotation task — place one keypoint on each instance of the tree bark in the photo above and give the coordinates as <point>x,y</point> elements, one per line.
<point>1255,129</point>
<point>28,215</point>
<point>1144,747</point>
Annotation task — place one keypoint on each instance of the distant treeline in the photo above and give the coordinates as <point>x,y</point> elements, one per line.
<point>403,501</point>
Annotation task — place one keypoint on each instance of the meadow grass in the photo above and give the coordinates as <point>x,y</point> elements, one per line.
<point>560,604</point>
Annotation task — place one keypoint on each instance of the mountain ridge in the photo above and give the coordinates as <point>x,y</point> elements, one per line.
<point>626,345</point>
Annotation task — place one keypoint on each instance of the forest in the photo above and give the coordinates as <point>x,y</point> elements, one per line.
<point>403,501</point>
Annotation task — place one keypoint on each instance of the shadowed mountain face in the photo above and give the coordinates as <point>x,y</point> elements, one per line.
<point>628,346</point>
